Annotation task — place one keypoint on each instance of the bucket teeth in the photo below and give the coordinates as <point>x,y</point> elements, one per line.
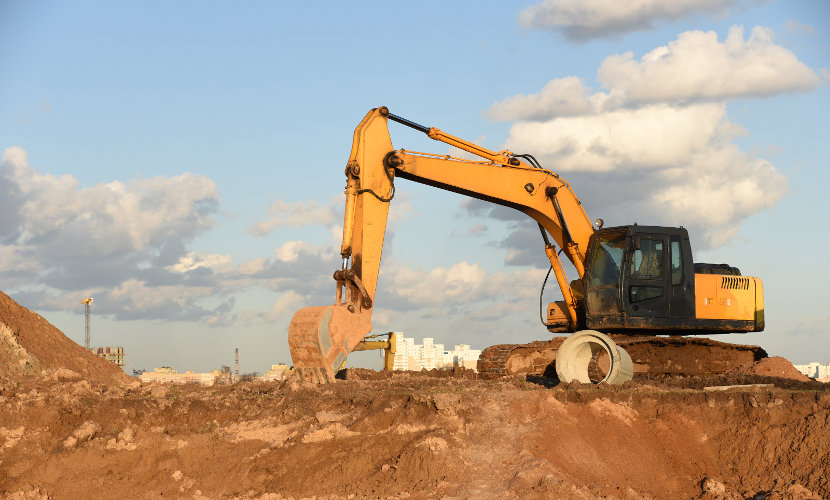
<point>313,375</point>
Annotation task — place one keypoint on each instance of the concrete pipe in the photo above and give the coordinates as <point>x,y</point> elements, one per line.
<point>577,351</point>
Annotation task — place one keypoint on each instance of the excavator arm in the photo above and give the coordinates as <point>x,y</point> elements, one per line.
<point>320,338</point>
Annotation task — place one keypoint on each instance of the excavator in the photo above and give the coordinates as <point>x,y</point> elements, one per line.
<point>638,305</point>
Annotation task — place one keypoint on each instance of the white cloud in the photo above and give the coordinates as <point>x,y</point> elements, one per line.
<point>135,299</point>
<point>106,220</point>
<point>382,318</point>
<point>287,304</point>
<point>682,165</point>
<point>560,97</point>
<point>283,309</point>
<point>124,241</point>
<point>650,137</point>
<point>301,213</point>
<point>698,66</point>
<point>460,284</point>
<point>290,250</point>
<point>477,229</point>
<point>695,67</point>
<point>15,260</point>
<point>330,216</point>
<point>440,284</point>
<point>251,267</point>
<point>400,209</point>
<point>196,260</point>
<point>657,146</point>
<point>798,28</point>
<point>136,296</point>
<point>716,191</point>
<point>490,313</point>
<point>583,20</point>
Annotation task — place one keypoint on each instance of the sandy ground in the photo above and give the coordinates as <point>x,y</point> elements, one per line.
<point>65,434</point>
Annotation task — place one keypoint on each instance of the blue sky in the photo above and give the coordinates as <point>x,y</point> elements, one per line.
<point>144,144</point>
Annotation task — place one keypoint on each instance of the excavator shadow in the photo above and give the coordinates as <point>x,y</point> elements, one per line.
<point>547,379</point>
<point>546,382</point>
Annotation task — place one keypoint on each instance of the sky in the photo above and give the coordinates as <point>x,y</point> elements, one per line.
<point>182,163</point>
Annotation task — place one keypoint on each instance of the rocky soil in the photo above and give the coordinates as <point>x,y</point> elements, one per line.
<point>68,434</point>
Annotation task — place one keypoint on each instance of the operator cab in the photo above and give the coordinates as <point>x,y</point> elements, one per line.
<point>639,277</point>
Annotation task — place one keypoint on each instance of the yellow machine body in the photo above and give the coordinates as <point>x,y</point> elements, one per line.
<point>320,338</point>
<point>729,298</point>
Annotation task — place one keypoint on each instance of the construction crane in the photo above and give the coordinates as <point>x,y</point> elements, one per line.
<point>87,302</point>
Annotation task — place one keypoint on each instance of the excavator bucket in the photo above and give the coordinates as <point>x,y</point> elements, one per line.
<point>320,339</point>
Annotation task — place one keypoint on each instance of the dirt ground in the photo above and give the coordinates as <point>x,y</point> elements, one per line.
<point>68,435</point>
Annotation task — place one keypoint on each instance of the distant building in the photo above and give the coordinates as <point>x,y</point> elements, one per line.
<point>426,356</point>
<point>112,354</point>
<point>814,370</point>
<point>168,375</point>
<point>277,372</point>
<point>462,355</point>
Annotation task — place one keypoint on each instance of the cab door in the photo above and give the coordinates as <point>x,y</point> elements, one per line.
<point>681,276</point>
<point>646,291</point>
<point>604,277</point>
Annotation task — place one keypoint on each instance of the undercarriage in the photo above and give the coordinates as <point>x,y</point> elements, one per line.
<point>650,355</point>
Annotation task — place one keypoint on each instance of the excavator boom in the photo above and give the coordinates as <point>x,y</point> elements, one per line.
<point>320,338</point>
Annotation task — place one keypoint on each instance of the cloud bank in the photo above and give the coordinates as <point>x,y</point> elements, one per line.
<point>583,20</point>
<point>697,66</point>
<point>125,241</point>
<point>301,213</point>
<point>656,145</point>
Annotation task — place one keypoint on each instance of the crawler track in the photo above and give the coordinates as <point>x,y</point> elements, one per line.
<point>651,355</point>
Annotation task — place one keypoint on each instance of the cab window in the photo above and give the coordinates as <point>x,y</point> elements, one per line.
<point>607,259</point>
<point>647,261</point>
<point>676,260</point>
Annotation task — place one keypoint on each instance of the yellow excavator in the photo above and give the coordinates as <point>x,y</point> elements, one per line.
<point>637,298</point>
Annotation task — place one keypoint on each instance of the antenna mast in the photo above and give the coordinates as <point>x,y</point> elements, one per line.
<point>87,302</point>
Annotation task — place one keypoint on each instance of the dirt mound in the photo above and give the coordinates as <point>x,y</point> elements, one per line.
<point>366,374</point>
<point>454,372</point>
<point>775,366</point>
<point>713,489</point>
<point>31,346</point>
<point>412,436</point>
<point>362,374</point>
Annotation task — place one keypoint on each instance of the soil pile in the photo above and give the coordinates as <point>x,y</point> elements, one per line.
<point>366,374</point>
<point>413,436</point>
<point>775,366</point>
<point>29,345</point>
